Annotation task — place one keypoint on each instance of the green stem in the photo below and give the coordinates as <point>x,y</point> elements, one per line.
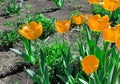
<point>37,57</point>
<point>105,55</point>
<point>96,78</point>
<point>80,32</point>
<point>63,38</point>
<point>95,33</point>
<point>116,76</point>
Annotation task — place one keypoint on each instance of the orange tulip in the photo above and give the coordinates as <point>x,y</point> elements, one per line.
<point>32,31</point>
<point>97,23</point>
<point>78,19</point>
<point>118,42</point>
<point>117,31</point>
<point>63,26</point>
<point>90,64</point>
<point>93,1</point>
<point>109,34</point>
<point>117,36</point>
<point>111,5</point>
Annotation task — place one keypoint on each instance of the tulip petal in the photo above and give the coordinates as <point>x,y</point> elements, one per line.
<point>32,25</point>
<point>23,33</point>
<point>93,1</point>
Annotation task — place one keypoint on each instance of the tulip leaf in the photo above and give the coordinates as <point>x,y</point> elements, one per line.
<point>64,79</point>
<point>99,53</point>
<point>46,74</point>
<point>28,58</point>
<point>59,3</point>
<point>16,51</point>
<point>82,81</point>
<point>32,74</point>
<point>92,80</point>
<point>81,49</point>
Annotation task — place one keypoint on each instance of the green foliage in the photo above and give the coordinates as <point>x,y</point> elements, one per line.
<point>12,8</point>
<point>97,9</point>
<point>9,37</point>
<point>59,3</point>
<point>54,58</point>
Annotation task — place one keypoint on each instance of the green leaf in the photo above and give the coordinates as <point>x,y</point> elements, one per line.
<point>97,80</point>
<point>59,3</point>
<point>30,72</point>
<point>46,74</point>
<point>82,81</point>
<point>33,75</point>
<point>28,58</point>
<point>99,53</point>
<point>64,79</point>
<point>91,80</point>
<point>16,51</point>
<point>81,49</point>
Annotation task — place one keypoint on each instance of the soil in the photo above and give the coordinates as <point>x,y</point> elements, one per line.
<point>10,69</point>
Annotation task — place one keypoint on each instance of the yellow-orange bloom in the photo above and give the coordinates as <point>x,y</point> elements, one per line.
<point>97,23</point>
<point>93,1</point>
<point>90,64</point>
<point>118,43</point>
<point>117,36</point>
<point>78,19</point>
<point>32,31</point>
<point>109,34</point>
<point>111,5</point>
<point>63,26</point>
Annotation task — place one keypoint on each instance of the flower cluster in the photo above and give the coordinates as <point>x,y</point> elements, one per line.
<point>63,26</point>
<point>102,24</point>
<point>109,5</point>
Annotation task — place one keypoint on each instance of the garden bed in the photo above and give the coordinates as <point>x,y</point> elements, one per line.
<point>10,69</point>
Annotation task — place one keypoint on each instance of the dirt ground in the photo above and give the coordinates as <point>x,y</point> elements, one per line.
<point>9,66</point>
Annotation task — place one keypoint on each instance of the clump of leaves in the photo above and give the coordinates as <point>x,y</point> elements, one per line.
<point>13,8</point>
<point>7,38</point>
<point>54,59</point>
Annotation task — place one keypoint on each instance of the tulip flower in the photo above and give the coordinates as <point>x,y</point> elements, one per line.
<point>97,23</point>
<point>32,31</point>
<point>78,19</point>
<point>93,1</point>
<point>118,43</point>
<point>117,36</point>
<point>90,64</point>
<point>111,5</point>
<point>109,34</point>
<point>63,26</point>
